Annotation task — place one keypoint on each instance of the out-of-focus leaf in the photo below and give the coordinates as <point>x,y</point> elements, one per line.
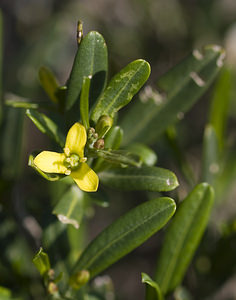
<point>21,102</point>
<point>49,83</point>
<point>5,293</point>
<point>210,158</point>
<point>220,104</point>
<point>157,294</point>
<point>11,142</point>
<point>47,126</point>
<point>121,89</point>
<point>182,293</point>
<point>41,262</point>
<point>144,178</point>
<point>179,155</point>
<point>184,85</point>
<point>147,155</point>
<point>49,177</point>
<point>125,234</point>
<point>70,208</point>
<point>84,102</point>
<point>183,237</point>
<point>1,58</point>
<point>90,60</point>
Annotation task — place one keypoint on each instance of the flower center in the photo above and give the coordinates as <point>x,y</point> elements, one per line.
<point>72,162</point>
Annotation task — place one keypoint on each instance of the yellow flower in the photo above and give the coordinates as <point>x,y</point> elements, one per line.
<point>72,161</point>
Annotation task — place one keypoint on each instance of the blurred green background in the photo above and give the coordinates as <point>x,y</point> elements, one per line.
<point>37,33</point>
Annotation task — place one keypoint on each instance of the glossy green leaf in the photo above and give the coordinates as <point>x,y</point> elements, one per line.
<point>210,157</point>
<point>90,60</point>
<point>41,262</point>
<point>47,126</point>
<point>147,155</point>
<point>183,237</point>
<point>157,294</point>
<point>49,177</point>
<point>84,102</point>
<point>113,138</point>
<point>184,85</point>
<point>121,89</point>
<point>49,83</point>
<point>220,104</point>
<point>125,234</point>
<point>144,178</point>
<point>70,208</point>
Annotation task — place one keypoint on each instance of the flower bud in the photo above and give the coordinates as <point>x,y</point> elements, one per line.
<point>79,279</point>
<point>103,125</point>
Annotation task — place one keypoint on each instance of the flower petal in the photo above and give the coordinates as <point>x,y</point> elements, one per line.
<point>50,162</point>
<point>76,139</point>
<point>86,178</point>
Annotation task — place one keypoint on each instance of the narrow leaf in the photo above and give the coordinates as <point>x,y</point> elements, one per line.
<point>49,83</point>
<point>220,104</point>
<point>1,60</point>
<point>144,178</point>
<point>153,286</point>
<point>84,102</point>
<point>184,85</point>
<point>70,207</point>
<point>47,126</point>
<point>120,157</point>
<point>147,155</point>
<point>121,89</point>
<point>125,234</point>
<point>112,140</point>
<point>210,157</point>
<point>90,60</point>
<point>183,237</point>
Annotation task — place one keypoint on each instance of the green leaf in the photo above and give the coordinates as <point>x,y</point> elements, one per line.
<point>11,140</point>
<point>41,262</point>
<point>144,178</point>
<point>21,102</point>
<point>70,208</point>
<point>153,286</point>
<point>183,237</point>
<point>49,83</point>
<point>48,176</point>
<point>147,155</point>
<point>121,89</point>
<point>90,60</point>
<point>220,104</point>
<point>84,102</point>
<point>210,157</point>
<point>112,140</point>
<point>184,85</point>
<point>179,155</point>
<point>47,126</point>
<point>1,60</point>
<point>125,234</point>
<point>120,157</point>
